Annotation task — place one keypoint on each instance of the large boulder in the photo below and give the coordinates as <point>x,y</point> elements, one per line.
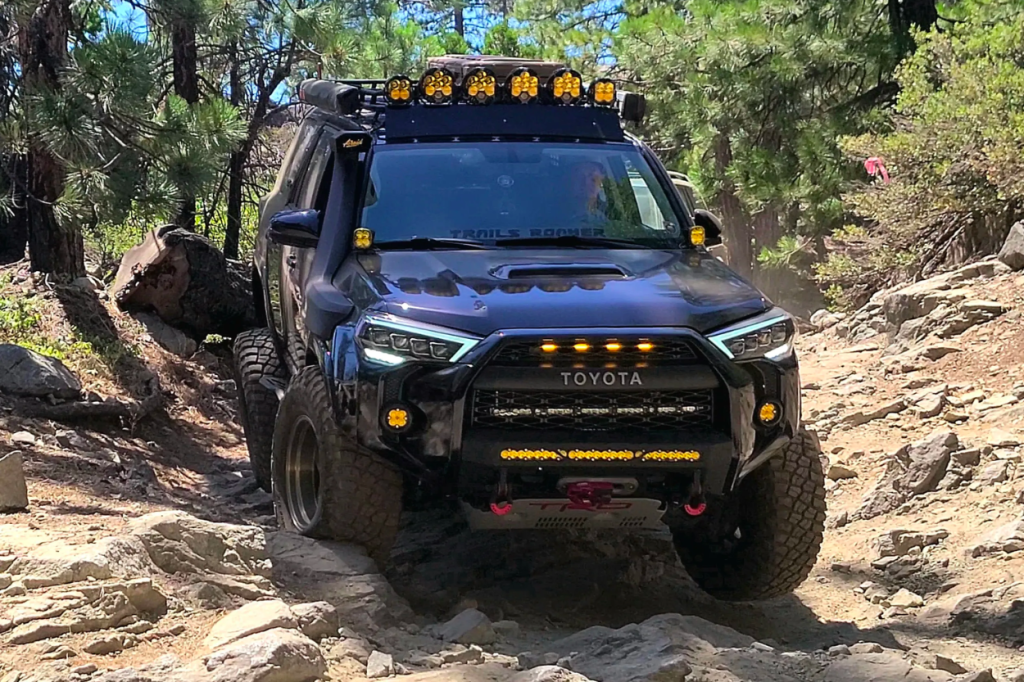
<point>257,616</point>
<point>1006,538</point>
<point>340,574</point>
<point>24,372</point>
<point>911,470</point>
<point>1012,252</point>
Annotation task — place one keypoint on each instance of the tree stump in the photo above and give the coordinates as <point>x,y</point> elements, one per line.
<point>188,283</point>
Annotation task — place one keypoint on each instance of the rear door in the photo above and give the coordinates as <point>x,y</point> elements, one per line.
<point>311,192</point>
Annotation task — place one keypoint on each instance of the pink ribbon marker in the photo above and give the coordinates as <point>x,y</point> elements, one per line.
<point>874,166</point>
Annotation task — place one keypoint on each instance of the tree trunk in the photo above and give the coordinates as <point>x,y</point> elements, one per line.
<point>43,43</point>
<point>460,19</point>
<point>14,225</point>
<point>187,282</point>
<point>236,168</point>
<point>185,59</point>
<point>738,234</point>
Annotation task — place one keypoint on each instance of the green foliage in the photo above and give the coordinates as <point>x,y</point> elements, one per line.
<point>955,154</point>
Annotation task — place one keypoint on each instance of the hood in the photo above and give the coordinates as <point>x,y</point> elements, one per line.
<point>484,291</point>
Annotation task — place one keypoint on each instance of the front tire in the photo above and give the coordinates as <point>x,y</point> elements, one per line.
<point>325,486</point>
<point>763,540</point>
<point>256,357</point>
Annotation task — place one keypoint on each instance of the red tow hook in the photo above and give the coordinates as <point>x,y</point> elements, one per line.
<point>588,494</point>
<point>696,504</point>
<point>501,508</point>
<point>695,509</point>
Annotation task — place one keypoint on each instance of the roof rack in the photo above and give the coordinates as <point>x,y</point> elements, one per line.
<point>472,80</point>
<point>461,64</point>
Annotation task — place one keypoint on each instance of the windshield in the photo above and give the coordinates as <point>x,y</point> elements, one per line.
<point>492,191</point>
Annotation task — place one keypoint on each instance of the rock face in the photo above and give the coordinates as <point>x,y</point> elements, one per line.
<point>13,491</point>
<point>341,575</point>
<point>257,616</point>
<point>469,627</point>
<point>171,339</point>
<point>1006,538</point>
<point>26,373</point>
<point>1012,253</point>
<point>911,470</point>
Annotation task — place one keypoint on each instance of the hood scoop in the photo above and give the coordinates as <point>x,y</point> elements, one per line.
<point>546,270</point>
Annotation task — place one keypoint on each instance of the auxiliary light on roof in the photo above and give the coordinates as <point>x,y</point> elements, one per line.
<point>480,86</point>
<point>398,90</point>
<point>566,86</point>
<point>437,86</point>
<point>523,85</point>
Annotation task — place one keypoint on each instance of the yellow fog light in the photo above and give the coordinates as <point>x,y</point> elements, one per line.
<point>697,236</point>
<point>398,90</point>
<point>479,86</point>
<point>362,238</point>
<point>437,86</point>
<point>769,413</point>
<point>523,85</point>
<point>602,92</point>
<point>397,418</point>
<point>566,86</point>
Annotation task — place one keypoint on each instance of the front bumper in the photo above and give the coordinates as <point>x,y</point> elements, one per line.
<point>446,443</point>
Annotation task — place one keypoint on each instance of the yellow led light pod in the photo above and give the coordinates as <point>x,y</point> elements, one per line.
<point>529,455</point>
<point>523,85</point>
<point>565,86</point>
<point>398,90</point>
<point>602,454</point>
<point>602,92</point>
<point>362,238</point>
<point>769,413</point>
<point>398,418</point>
<point>672,456</point>
<point>697,235</point>
<point>437,86</point>
<point>479,86</point>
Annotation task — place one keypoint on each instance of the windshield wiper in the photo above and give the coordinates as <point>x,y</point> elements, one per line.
<point>572,240</point>
<point>427,243</point>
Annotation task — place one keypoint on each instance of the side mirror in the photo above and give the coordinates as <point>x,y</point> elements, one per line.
<point>711,224</point>
<point>295,228</point>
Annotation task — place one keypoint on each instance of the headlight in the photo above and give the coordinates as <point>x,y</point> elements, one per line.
<point>392,340</point>
<point>769,336</point>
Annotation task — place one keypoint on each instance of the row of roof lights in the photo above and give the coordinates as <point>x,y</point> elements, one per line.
<point>481,86</point>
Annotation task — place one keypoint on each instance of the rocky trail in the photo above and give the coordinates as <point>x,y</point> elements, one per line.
<point>148,553</point>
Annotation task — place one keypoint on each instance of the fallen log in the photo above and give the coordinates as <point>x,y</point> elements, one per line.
<point>187,282</point>
<point>131,411</point>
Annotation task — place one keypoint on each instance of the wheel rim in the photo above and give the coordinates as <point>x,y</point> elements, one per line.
<point>302,476</point>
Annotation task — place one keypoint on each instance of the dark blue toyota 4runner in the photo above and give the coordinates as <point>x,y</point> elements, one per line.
<point>479,291</point>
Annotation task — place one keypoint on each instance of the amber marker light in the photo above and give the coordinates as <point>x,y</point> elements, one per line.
<point>614,347</point>
<point>644,346</point>
<point>581,347</point>
<point>549,347</point>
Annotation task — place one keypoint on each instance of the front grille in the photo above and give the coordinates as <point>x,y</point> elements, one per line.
<point>664,351</point>
<point>627,411</point>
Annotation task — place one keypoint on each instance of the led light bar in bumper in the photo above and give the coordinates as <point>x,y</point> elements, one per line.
<point>770,336</point>
<point>391,340</point>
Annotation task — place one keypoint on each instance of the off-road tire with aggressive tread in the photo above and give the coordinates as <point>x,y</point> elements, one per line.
<point>360,495</point>
<point>782,520</point>
<point>256,357</point>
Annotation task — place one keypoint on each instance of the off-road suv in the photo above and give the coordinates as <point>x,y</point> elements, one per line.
<point>480,291</point>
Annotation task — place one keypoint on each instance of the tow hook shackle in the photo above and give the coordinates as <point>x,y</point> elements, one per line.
<point>501,503</point>
<point>696,505</point>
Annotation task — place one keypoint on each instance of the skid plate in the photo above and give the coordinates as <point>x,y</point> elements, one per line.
<point>629,513</point>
